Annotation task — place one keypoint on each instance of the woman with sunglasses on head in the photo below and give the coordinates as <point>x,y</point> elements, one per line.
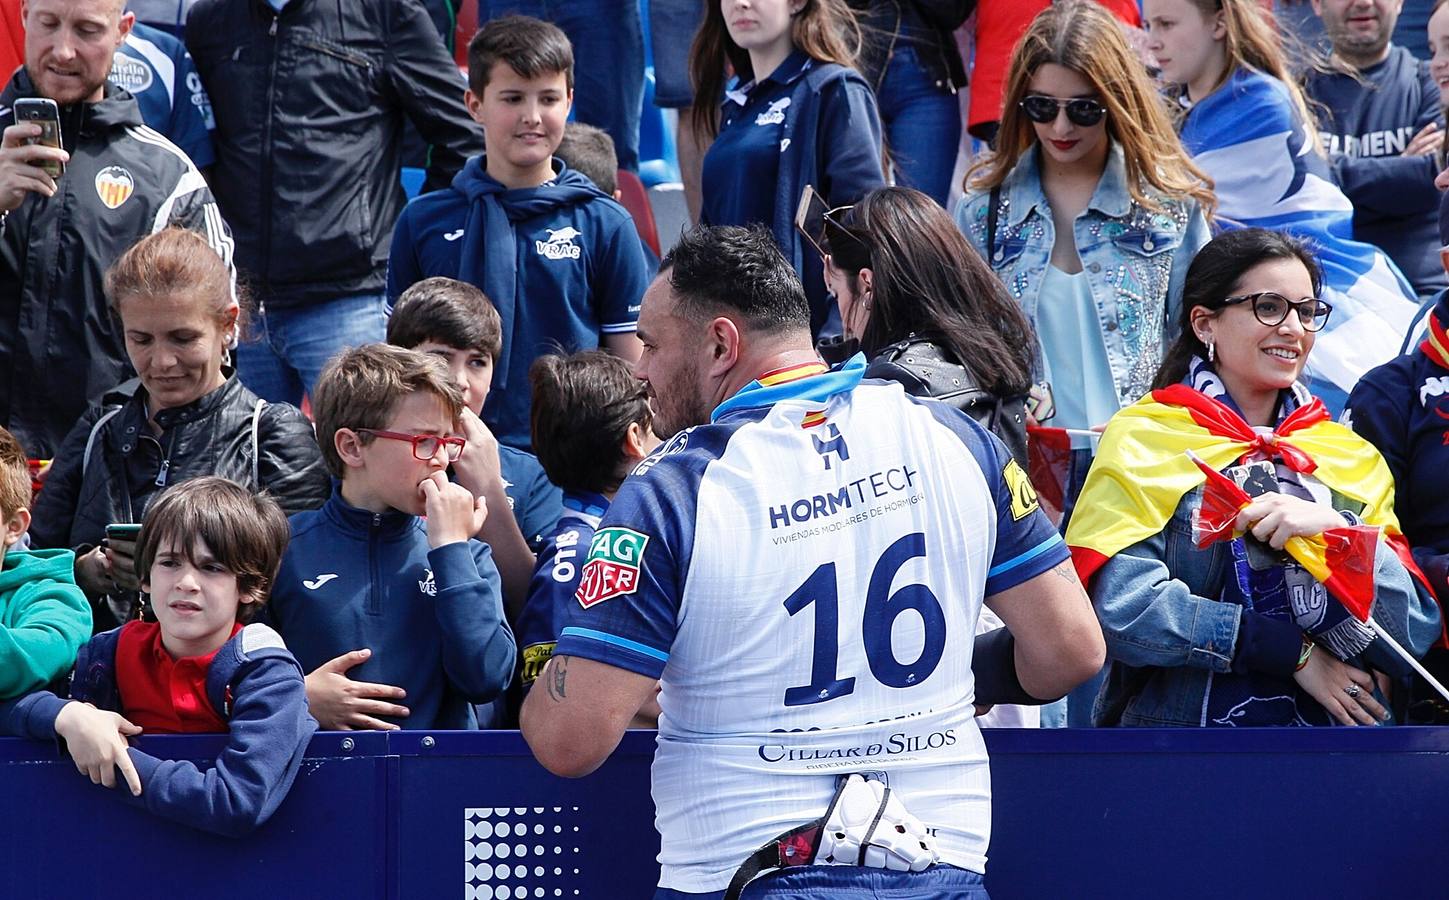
<point>927,311</point>
<point>1208,629</point>
<point>1089,211</point>
<point>795,114</point>
<point>184,415</point>
<point>1247,125</point>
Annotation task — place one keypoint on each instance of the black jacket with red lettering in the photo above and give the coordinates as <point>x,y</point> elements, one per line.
<point>60,346</point>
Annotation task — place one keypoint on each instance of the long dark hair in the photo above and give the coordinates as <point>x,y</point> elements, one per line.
<point>826,30</point>
<point>1213,277</point>
<point>928,280</point>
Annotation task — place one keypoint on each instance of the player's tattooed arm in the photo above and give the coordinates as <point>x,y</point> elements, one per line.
<point>558,678</point>
<point>573,724</point>
<point>1067,572</point>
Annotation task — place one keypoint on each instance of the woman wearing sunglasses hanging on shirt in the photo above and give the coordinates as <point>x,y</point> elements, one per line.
<point>1090,212</point>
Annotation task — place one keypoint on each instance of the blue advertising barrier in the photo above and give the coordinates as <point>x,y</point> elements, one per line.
<point>1188,813</point>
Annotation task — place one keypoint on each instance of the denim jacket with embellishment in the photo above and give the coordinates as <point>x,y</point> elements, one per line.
<point>1135,259</point>
<point>1167,637</point>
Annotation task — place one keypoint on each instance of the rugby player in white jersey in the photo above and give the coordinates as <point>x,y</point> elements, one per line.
<point>800,569</point>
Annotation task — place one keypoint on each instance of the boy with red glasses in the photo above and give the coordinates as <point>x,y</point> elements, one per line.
<point>383,595</point>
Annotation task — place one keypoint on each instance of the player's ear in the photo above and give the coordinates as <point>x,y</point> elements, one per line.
<point>723,340</point>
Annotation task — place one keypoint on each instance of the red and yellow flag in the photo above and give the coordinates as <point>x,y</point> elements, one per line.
<point>1143,470</point>
<point>1342,559</point>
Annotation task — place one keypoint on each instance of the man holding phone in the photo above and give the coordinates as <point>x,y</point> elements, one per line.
<point>60,347</point>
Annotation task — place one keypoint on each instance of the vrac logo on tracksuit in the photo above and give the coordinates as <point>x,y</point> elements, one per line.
<point>560,243</point>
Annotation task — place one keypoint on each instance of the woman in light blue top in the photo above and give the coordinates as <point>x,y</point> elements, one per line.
<point>1090,212</point>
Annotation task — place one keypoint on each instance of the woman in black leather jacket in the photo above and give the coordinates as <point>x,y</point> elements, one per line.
<point>927,311</point>
<point>185,415</point>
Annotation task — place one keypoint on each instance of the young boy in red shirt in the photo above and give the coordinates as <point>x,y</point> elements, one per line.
<point>210,551</point>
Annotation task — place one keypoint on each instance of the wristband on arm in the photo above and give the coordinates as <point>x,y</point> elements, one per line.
<point>993,664</point>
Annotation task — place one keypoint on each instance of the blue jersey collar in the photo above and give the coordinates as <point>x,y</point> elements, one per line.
<point>586,502</point>
<point>810,382</point>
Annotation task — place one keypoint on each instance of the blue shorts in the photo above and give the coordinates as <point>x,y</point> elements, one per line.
<point>816,882</point>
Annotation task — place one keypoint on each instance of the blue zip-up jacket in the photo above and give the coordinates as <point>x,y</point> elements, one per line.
<point>1365,129</point>
<point>433,618</point>
<point>1402,408</point>
<point>253,682</point>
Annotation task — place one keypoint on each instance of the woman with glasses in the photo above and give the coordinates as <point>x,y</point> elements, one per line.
<point>1247,125</point>
<point>1208,621</point>
<point>184,415</point>
<point>796,113</point>
<point>1089,211</point>
<point>927,311</point>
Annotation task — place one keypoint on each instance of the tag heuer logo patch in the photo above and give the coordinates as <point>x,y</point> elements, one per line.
<point>612,569</point>
<point>114,186</point>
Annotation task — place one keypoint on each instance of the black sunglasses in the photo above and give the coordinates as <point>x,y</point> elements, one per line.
<point>1080,111</point>
<point>1272,308</point>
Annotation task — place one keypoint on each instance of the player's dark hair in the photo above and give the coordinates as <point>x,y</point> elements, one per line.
<point>590,151</point>
<point>583,405</point>
<point>531,47</point>
<point>244,532</point>
<point>1213,277</point>
<point>728,268</point>
<point>449,312</point>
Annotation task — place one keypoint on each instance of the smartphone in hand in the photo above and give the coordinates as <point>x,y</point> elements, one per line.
<point>43,112</point>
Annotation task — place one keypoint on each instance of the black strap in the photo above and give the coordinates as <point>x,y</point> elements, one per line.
<point>992,203</point>
<point>796,847</point>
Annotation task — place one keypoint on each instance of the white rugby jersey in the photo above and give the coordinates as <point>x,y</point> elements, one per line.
<point>804,576</point>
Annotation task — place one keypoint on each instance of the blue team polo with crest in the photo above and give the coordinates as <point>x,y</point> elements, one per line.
<point>743,164</point>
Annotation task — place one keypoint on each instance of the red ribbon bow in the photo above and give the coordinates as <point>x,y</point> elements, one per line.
<point>1220,419</point>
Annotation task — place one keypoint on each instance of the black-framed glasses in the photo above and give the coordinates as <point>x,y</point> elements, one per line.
<point>425,446</point>
<point>1272,308</point>
<point>1082,111</point>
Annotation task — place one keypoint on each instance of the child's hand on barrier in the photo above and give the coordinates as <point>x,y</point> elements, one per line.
<point>96,739</point>
<point>454,514</point>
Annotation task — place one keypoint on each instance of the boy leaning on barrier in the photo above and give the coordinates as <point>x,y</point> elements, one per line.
<point>209,549</point>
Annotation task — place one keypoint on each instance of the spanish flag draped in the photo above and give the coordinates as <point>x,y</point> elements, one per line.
<point>1144,468</point>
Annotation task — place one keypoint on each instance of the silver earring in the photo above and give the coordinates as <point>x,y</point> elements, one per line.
<point>1211,347</point>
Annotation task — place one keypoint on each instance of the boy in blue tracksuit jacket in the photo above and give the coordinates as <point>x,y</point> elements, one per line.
<point>1382,129</point>
<point>413,607</point>
<point>591,426</point>
<point>558,258</point>
<point>210,549</point>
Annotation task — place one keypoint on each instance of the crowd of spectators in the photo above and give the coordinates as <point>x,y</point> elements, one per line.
<point>1192,229</point>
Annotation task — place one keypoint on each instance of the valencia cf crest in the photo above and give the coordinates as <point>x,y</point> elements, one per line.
<point>114,185</point>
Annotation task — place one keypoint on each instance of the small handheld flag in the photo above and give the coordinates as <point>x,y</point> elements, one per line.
<point>1342,559</point>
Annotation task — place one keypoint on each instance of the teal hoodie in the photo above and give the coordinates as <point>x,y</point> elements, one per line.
<point>44,619</point>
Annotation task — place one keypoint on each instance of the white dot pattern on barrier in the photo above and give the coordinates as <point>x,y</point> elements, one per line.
<point>493,865</point>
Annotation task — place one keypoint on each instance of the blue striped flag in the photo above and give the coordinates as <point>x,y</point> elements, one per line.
<point>1250,140</point>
